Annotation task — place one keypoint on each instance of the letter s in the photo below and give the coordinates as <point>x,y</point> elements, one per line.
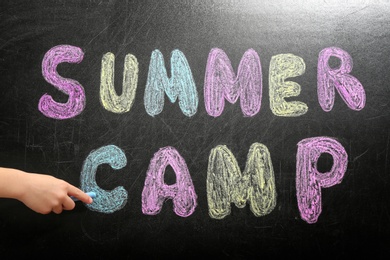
<point>76,102</point>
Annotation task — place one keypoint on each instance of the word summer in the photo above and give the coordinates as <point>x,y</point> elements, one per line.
<point>220,83</point>
<point>225,182</point>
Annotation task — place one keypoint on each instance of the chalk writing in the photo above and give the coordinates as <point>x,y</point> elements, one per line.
<point>226,184</point>
<point>76,101</point>
<point>284,66</point>
<point>309,180</point>
<point>220,83</point>
<point>105,201</point>
<point>181,84</point>
<point>108,96</point>
<point>156,191</point>
<point>328,79</point>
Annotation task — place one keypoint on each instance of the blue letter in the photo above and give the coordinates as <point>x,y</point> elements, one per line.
<point>105,201</point>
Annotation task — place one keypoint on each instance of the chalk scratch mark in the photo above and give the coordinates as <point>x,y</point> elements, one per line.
<point>269,125</point>
<point>140,27</point>
<point>357,11</point>
<point>168,126</point>
<point>103,30</point>
<point>357,157</point>
<point>136,179</point>
<point>376,117</point>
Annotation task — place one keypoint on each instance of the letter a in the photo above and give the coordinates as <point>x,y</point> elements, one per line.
<point>156,191</point>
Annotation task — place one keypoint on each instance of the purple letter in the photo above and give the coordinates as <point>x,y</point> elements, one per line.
<point>155,190</point>
<point>76,101</point>
<point>309,180</point>
<point>220,83</point>
<point>349,88</point>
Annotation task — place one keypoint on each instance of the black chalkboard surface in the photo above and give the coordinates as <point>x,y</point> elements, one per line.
<point>229,129</point>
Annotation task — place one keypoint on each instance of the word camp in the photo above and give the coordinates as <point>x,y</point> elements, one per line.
<point>226,184</point>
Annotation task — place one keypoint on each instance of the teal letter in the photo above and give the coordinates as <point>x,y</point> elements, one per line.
<point>105,201</point>
<point>181,84</point>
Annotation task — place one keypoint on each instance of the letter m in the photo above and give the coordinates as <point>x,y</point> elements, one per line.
<point>221,83</point>
<point>181,85</point>
<point>226,184</point>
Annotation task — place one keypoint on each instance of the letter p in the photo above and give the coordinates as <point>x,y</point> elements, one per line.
<point>309,180</point>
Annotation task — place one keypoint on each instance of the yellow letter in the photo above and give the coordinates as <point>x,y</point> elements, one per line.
<point>108,96</point>
<point>284,66</point>
<point>226,184</point>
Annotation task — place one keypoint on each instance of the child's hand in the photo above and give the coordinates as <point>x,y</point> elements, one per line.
<point>42,193</point>
<point>45,193</point>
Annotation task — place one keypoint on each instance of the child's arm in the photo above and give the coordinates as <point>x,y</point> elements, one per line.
<point>42,193</point>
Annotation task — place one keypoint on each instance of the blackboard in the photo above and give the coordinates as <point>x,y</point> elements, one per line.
<point>187,47</point>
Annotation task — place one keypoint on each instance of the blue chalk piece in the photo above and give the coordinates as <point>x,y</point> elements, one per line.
<point>91,194</point>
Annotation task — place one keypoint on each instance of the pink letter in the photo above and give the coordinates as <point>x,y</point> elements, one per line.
<point>76,102</point>
<point>220,83</point>
<point>309,180</point>
<point>155,190</point>
<point>349,88</point>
